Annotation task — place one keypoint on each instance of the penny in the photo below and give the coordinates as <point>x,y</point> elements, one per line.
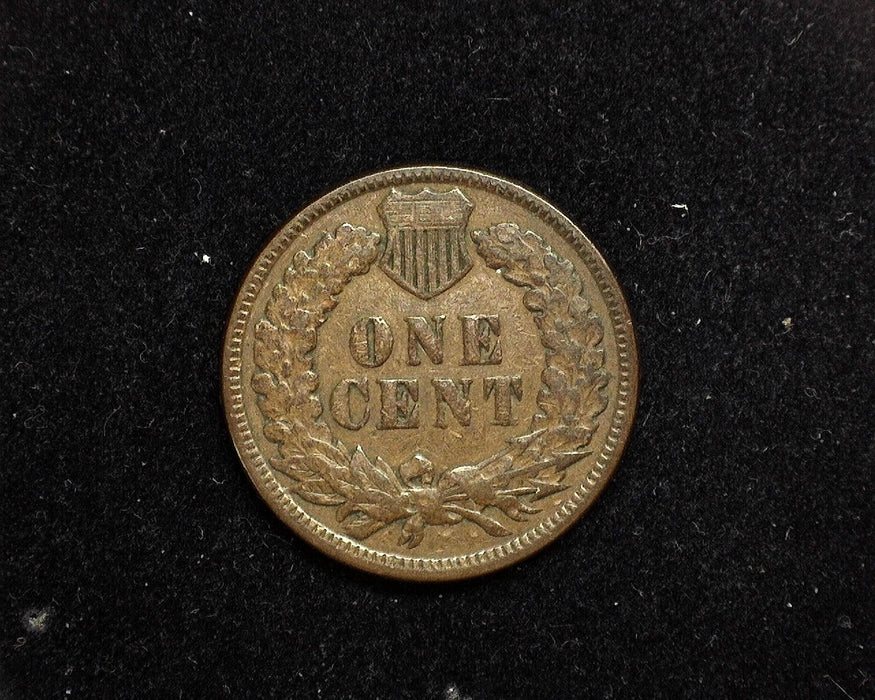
<point>430,373</point>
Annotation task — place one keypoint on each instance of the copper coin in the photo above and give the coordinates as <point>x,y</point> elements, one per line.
<point>430,373</point>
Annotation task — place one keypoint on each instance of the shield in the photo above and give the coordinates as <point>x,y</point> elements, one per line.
<point>425,252</point>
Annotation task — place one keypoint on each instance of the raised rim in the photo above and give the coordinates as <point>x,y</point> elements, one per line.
<point>489,559</point>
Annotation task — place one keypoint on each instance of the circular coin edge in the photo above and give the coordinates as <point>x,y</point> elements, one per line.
<point>486,560</point>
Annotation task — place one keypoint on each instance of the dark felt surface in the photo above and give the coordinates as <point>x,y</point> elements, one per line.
<point>732,553</point>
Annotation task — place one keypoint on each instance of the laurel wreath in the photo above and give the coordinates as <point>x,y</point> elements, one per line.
<point>369,494</point>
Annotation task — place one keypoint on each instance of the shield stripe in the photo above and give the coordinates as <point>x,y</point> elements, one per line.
<point>396,256</point>
<point>453,262</point>
<point>407,260</point>
<point>448,260</point>
<point>464,259</point>
<point>433,264</point>
<point>423,257</point>
<point>417,261</point>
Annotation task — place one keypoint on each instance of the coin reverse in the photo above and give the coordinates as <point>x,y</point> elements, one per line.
<point>429,373</point>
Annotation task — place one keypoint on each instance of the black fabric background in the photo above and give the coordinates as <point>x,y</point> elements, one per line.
<point>732,553</point>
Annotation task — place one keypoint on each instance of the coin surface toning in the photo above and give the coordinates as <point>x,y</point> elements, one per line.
<point>430,373</point>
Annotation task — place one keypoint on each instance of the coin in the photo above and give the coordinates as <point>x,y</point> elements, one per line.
<point>430,373</point>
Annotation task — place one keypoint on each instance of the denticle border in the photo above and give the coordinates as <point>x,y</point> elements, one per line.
<point>490,558</point>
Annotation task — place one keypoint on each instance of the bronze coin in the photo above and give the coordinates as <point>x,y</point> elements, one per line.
<point>430,373</point>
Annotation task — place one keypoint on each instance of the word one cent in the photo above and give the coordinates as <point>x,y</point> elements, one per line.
<point>430,373</point>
